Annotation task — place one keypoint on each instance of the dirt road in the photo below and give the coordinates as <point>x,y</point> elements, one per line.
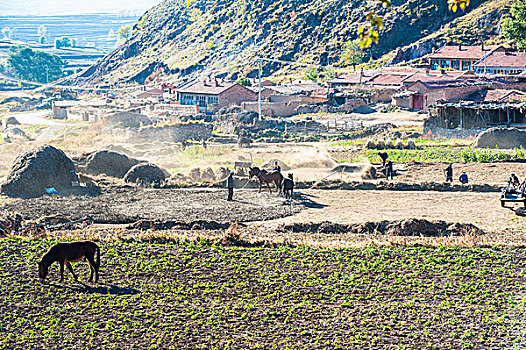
<point>480,209</point>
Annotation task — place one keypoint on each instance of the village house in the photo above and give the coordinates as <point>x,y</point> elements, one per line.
<point>212,94</point>
<point>460,57</point>
<point>502,63</point>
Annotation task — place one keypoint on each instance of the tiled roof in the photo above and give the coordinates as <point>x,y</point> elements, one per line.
<point>504,59</point>
<point>388,79</point>
<point>462,52</point>
<point>206,86</point>
<point>350,78</point>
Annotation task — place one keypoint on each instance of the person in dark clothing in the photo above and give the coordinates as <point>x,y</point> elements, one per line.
<point>383,156</point>
<point>449,172</point>
<point>230,185</point>
<point>389,169</point>
<point>463,178</point>
<point>277,167</point>
<point>514,180</point>
<point>204,144</point>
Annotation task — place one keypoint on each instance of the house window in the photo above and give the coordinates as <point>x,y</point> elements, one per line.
<point>202,100</point>
<point>455,64</point>
<point>188,100</point>
<point>434,64</point>
<point>466,65</point>
<point>444,63</point>
<point>213,100</point>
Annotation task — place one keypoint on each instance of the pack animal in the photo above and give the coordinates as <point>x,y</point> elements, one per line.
<point>66,253</point>
<point>265,177</point>
<point>288,186</point>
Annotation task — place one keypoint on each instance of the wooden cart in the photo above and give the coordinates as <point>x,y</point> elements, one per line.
<point>514,195</point>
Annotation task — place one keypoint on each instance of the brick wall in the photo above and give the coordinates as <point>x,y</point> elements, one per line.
<point>236,95</point>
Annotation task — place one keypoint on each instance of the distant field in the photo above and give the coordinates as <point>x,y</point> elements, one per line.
<point>170,296</point>
<point>87,30</point>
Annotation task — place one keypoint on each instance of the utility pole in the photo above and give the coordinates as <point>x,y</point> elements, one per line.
<point>259,91</point>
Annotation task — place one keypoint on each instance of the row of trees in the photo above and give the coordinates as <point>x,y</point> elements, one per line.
<point>34,65</point>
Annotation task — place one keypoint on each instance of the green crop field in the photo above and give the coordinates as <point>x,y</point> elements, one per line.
<point>163,296</point>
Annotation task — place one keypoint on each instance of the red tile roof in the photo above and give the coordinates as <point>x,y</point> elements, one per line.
<point>462,52</point>
<point>504,59</point>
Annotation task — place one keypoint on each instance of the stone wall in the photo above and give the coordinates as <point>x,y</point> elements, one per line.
<point>172,133</point>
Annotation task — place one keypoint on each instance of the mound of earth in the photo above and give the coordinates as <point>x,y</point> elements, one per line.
<point>15,133</point>
<point>408,227</point>
<point>12,121</point>
<point>109,163</point>
<point>35,170</point>
<point>145,174</point>
<point>270,165</point>
<point>501,138</point>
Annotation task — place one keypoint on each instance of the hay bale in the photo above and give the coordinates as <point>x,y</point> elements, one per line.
<point>282,164</point>
<point>369,172</point>
<point>109,163</point>
<point>390,144</point>
<point>399,144</point>
<point>145,174</point>
<point>222,173</point>
<point>410,145</point>
<point>380,144</point>
<point>501,138</point>
<point>208,175</point>
<point>195,174</point>
<point>37,169</point>
<point>370,144</point>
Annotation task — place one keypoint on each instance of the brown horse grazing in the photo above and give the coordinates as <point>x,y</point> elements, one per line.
<point>66,253</point>
<point>266,177</point>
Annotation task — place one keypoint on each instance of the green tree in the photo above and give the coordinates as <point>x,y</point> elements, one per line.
<point>63,42</point>
<point>244,81</point>
<point>352,53</point>
<point>514,26</point>
<point>311,74</point>
<point>124,33</point>
<point>34,65</point>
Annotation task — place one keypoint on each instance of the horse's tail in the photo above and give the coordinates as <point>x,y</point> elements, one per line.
<point>98,257</point>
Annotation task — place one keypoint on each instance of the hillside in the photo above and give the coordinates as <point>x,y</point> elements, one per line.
<point>226,35</point>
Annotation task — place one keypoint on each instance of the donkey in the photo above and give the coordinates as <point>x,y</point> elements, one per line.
<point>266,177</point>
<point>66,253</point>
<point>288,186</point>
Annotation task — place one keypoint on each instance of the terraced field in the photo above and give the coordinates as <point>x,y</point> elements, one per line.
<point>187,296</point>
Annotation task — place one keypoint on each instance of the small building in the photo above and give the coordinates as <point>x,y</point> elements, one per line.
<point>211,94</point>
<point>460,57</point>
<point>502,63</point>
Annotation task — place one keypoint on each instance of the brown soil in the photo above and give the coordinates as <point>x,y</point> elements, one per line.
<point>351,207</point>
<point>479,173</point>
<point>127,205</point>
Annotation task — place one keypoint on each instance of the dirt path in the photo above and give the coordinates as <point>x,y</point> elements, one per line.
<point>480,209</point>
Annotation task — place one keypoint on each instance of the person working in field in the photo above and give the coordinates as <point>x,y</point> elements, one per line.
<point>449,172</point>
<point>383,156</point>
<point>463,178</point>
<point>230,185</point>
<point>277,167</point>
<point>514,181</point>
<point>389,169</point>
